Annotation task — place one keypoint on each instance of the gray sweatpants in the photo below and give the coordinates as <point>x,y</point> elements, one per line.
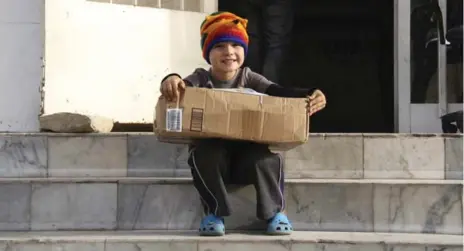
<point>216,163</point>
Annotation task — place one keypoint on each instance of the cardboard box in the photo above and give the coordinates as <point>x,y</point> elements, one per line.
<point>235,114</point>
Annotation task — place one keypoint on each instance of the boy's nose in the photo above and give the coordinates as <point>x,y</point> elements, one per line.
<point>229,49</point>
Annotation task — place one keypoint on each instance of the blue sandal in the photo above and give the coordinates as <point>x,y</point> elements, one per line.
<point>212,225</point>
<point>279,225</point>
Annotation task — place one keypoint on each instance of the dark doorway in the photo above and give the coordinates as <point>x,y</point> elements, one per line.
<point>346,49</point>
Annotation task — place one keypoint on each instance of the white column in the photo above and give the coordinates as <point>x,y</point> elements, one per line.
<point>402,61</point>
<point>208,6</point>
<point>442,92</point>
<point>21,50</point>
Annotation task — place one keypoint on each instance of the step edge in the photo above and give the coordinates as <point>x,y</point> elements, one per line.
<point>314,134</point>
<point>178,180</point>
<point>191,236</point>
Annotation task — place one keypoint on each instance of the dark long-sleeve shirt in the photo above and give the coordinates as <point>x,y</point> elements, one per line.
<point>245,78</point>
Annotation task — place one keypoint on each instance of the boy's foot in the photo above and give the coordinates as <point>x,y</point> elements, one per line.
<point>279,225</point>
<point>212,225</point>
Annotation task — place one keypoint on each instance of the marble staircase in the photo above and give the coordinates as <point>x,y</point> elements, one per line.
<point>130,192</point>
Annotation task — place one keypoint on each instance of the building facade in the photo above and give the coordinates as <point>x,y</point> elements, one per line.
<point>107,57</point>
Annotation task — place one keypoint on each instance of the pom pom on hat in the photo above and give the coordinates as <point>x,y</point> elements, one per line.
<point>223,27</point>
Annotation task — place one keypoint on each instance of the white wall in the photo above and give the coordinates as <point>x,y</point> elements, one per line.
<point>107,59</point>
<point>21,50</point>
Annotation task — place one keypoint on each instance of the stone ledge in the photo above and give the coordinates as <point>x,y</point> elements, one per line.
<point>325,156</point>
<point>156,206</point>
<point>188,236</point>
<point>380,135</point>
<point>183,180</point>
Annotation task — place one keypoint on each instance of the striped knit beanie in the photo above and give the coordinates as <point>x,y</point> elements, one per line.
<point>223,27</point>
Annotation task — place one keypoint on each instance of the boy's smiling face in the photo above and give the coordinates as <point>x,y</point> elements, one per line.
<point>226,57</point>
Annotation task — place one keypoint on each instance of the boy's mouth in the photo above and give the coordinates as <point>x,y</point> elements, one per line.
<point>228,61</point>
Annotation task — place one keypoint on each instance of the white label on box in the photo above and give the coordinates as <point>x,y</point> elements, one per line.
<point>174,120</point>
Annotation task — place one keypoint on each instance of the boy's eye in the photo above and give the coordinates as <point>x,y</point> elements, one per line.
<point>219,46</point>
<point>235,45</point>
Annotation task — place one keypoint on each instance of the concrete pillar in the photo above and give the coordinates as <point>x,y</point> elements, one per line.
<point>21,50</point>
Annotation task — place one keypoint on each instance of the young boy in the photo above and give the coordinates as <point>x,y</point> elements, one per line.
<point>216,162</point>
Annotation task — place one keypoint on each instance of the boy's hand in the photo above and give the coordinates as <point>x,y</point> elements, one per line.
<point>316,102</point>
<point>171,87</point>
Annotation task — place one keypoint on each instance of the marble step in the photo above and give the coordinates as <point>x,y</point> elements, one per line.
<point>401,206</point>
<point>189,241</point>
<point>325,156</point>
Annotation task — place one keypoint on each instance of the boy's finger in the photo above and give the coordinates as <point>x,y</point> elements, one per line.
<point>319,99</point>
<point>177,94</point>
<point>314,102</point>
<point>181,84</point>
<point>314,110</point>
<point>169,91</point>
<point>319,107</point>
<point>315,94</point>
<point>175,91</point>
<point>311,112</point>
<point>311,105</point>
